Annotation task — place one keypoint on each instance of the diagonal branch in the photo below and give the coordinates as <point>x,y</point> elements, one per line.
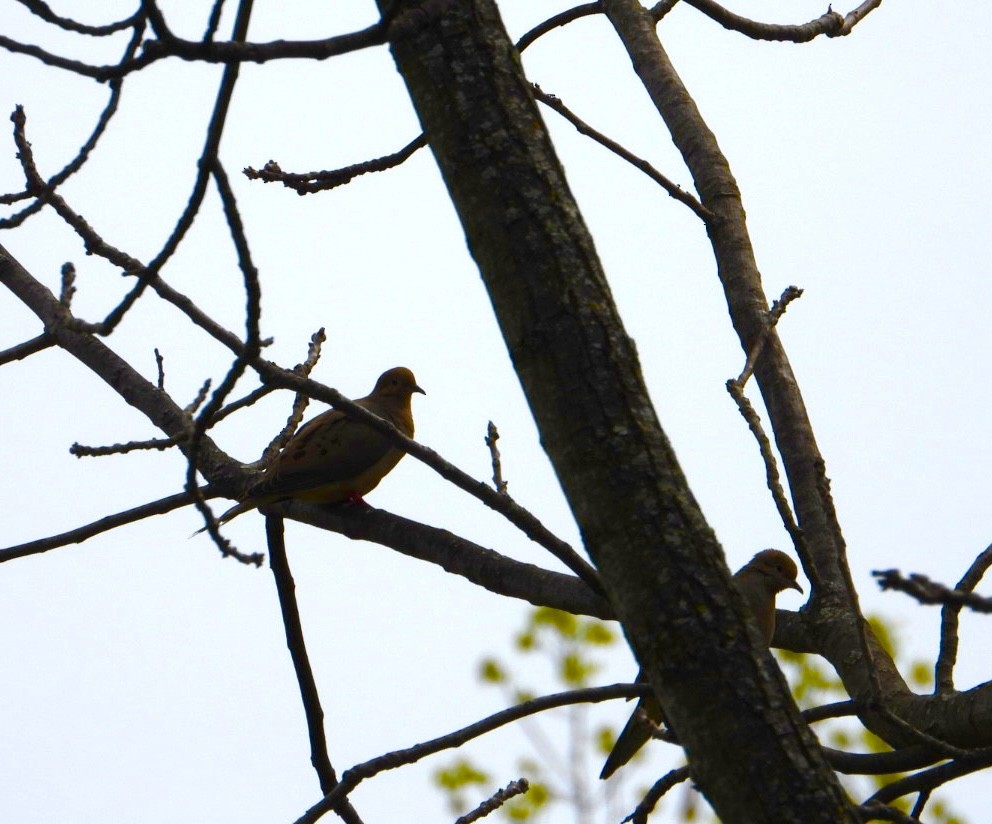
<point>673,189</point>
<point>390,761</point>
<point>944,670</point>
<point>829,24</point>
<point>286,588</point>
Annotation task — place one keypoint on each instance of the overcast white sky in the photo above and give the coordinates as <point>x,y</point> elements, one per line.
<point>147,680</point>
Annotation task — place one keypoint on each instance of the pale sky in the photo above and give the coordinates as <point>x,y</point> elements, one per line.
<point>147,680</point>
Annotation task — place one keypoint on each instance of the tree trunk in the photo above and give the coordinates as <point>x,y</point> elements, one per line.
<point>663,568</point>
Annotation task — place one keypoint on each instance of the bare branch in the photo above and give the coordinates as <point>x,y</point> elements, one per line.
<point>669,780</point>
<point>160,366</point>
<point>556,21</point>
<point>81,451</point>
<point>390,761</point>
<point>836,710</point>
<point>83,533</point>
<point>209,52</point>
<point>673,189</point>
<point>43,11</point>
<point>772,477</point>
<point>881,763</point>
<point>928,780</point>
<point>454,554</point>
<point>790,294</point>
<point>26,349</point>
<point>830,24</point>
<point>85,150</point>
<point>309,182</point>
<point>926,591</point>
<point>944,670</point>
<point>879,812</point>
<point>492,435</point>
<point>495,801</point>
<point>286,588</point>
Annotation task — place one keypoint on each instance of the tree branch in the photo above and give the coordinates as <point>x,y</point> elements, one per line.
<point>286,588</point>
<point>390,761</point>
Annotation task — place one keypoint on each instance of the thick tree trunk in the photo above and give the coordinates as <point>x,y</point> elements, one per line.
<point>663,568</point>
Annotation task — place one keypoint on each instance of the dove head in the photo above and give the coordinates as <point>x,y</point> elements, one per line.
<point>776,570</point>
<point>397,382</point>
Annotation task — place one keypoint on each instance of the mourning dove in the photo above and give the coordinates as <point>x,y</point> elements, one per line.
<point>759,581</point>
<point>335,458</point>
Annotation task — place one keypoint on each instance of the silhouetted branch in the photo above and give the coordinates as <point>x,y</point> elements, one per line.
<point>556,21</point>
<point>390,761</point>
<point>44,12</point>
<point>926,591</point>
<point>673,189</point>
<point>309,182</point>
<point>647,804</point>
<point>85,150</point>
<point>26,349</point>
<point>81,451</point>
<point>483,567</point>
<point>492,435</point>
<point>495,801</point>
<point>944,669</point>
<point>830,24</point>
<point>879,812</point>
<point>286,588</point>
<point>772,477</point>
<point>209,52</point>
<point>928,780</point>
<point>83,533</point>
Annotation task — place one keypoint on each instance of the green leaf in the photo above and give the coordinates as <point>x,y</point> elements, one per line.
<point>491,671</point>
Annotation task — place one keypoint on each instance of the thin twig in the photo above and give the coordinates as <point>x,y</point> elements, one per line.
<point>160,366</point>
<point>492,435</point>
<point>198,399</point>
<point>83,533</point>
<point>835,710</point>
<point>928,780</point>
<point>772,477</point>
<point>661,9</point>
<point>921,801</point>
<point>42,10</point>
<point>557,21</point>
<point>946,658</point>
<point>880,812</point>
<point>790,294</point>
<point>353,777</point>
<point>286,589</point>
<point>830,24</point>
<point>881,763</point>
<point>209,52</point>
<point>82,451</point>
<point>495,801</point>
<point>735,387</point>
<point>68,285</point>
<point>671,779</point>
<point>926,591</point>
<point>673,189</point>
<point>26,349</point>
<point>310,182</point>
<point>77,162</point>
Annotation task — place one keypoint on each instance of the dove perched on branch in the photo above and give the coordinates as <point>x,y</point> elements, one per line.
<point>336,458</point>
<point>759,581</point>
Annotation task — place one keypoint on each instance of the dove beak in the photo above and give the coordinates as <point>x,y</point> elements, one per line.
<point>418,389</point>
<point>795,585</point>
